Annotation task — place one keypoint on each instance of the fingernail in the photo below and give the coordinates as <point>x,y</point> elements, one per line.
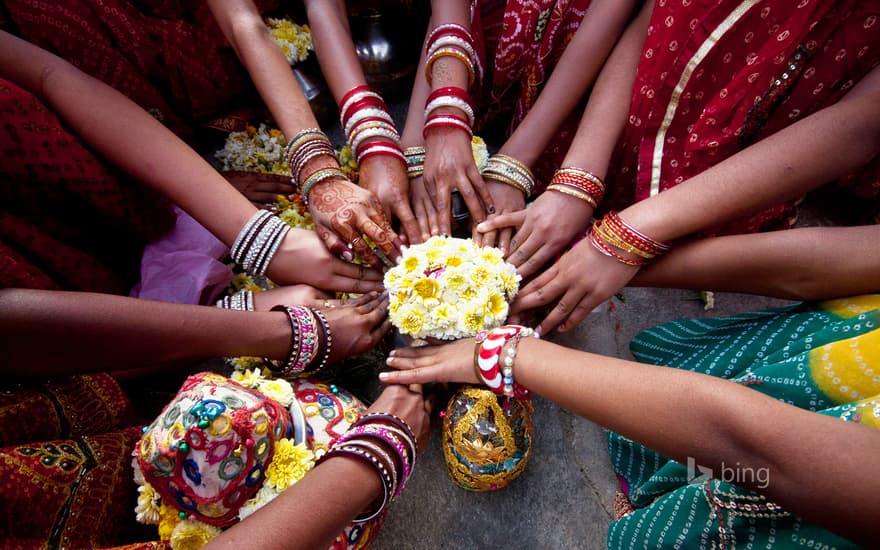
<point>481,227</point>
<point>397,242</point>
<point>392,353</point>
<point>347,256</point>
<point>491,209</point>
<point>384,375</point>
<point>539,331</point>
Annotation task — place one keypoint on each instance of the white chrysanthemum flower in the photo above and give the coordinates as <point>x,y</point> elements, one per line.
<point>263,497</point>
<point>147,508</point>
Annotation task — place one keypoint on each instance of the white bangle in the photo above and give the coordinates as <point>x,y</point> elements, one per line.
<point>461,44</point>
<point>362,114</point>
<point>450,101</point>
<point>377,147</point>
<point>371,133</point>
<point>354,99</point>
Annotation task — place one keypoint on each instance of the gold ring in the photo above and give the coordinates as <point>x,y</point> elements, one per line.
<point>355,241</point>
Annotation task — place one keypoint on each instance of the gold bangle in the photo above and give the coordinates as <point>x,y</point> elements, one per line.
<point>501,178</point>
<point>559,188</point>
<point>450,52</point>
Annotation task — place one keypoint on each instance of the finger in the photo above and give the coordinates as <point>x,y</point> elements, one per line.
<point>504,237</point>
<point>379,332</point>
<point>482,190</point>
<point>417,375</point>
<point>484,239</point>
<point>363,251</point>
<point>384,239</point>
<point>274,183</point>
<point>415,388</point>
<point>262,196</point>
<point>443,206</point>
<point>404,213</point>
<point>536,261</point>
<point>500,221</point>
<point>524,246</point>
<point>562,311</point>
<point>421,214</point>
<point>536,294</point>
<point>334,243</point>
<point>472,200</point>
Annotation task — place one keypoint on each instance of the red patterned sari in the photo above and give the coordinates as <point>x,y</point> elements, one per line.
<point>719,75</point>
<point>523,41</point>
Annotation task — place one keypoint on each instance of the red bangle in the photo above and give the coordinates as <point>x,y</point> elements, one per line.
<point>453,91</point>
<point>633,236</point>
<point>356,89</point>
<point>453,29</point>
<point>448,121</point>
<point>365,103</point>
<point>606,249</point>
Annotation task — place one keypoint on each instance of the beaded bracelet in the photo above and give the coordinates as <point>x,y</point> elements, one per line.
<point>506,169</point>
<point>240,301</point>
<point>402,431</point>
<point>382,436</point>
<point>487,353</point>
<point>390,418</point>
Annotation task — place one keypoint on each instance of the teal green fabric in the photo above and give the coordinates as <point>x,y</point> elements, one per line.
<point>818,357</point>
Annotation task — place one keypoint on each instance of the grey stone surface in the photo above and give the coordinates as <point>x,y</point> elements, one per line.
<point>564,499</point>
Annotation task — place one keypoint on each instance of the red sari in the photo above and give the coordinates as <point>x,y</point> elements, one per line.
<point>168,56</point>
<point>523,41</point>
<point>719,75</point>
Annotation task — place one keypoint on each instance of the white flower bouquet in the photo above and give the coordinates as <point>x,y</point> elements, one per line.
<point>449,288</point>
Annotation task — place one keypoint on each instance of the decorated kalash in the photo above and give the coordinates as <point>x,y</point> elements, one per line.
<point>224,448</point>
<point>449,288</point>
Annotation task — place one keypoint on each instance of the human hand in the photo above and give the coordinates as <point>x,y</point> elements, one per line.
<point>258,187</point>
<point>423,207</point>
<point>582,279</point>
<point>344,213</point>
<point>386,178</point>
<point>449,164</point>
<point>508,200</point>
<point>303,258</point>
<point>357,325</point>
<point>545,229</point>
<point>452,362</point>
<point>293,295</point>
<point>407,403</point>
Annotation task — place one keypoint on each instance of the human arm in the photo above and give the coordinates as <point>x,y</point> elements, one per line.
<point>384,175</point>
<point>56,333</point>
<point>329,496</point>
<point>683,414</point>
<point>449,161</point>
<point>551,223</point>
<point>342,211</point>
<point>573,75</point>
<point>810,263</point>
<point>820,148</point>
<point>118,129</point>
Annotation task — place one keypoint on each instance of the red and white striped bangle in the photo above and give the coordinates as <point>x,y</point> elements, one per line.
<point>380,148</point>
<point>448,121</point>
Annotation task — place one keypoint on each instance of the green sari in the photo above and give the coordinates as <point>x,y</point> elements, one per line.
<point>822,357</point>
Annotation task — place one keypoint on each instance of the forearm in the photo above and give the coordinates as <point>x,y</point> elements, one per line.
<point>264,61</point>
<point>605,115</point>
<point>322,503</point>
<point>61,333</point>
<point>718,423</point>
<point>816,150</point>
<point>415,114</point>
<point>798,264</point>
<point>334,47</point>
<point>121,132</point>
<point>571,78</point>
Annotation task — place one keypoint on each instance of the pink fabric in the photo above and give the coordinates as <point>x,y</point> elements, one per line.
<point>184,266</point>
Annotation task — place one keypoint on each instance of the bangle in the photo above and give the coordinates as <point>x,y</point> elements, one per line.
<point>328,340</point>
<point>632,235</point>
<point>453,41</point>
<point>450,52</point>
<point>573,192</point>
<point>508,170</point>
<point>368,97</point>
<point>372,460</point>
<point>451,101</point>
<point>363,114</point>
<point>380,148</point>
<point>487,354</point>
<point>606,249</point>
<point>447,121</point>
<point>372,133</point>
<point>317,177</point>
<point>288,367</point>
<point>242,300</point>
<point>257,242</point>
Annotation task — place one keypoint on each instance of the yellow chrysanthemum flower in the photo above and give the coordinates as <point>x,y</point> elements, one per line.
<point>411,264</point>
<point>453,261</point>
<point>474,321</point>
<point>480,276</point>
<point>410,320</point>
<point>289,464</point>
<point>497,305</point>
<point>192,535</point>
<point>147,508</point>
<point>279,389</point>
<point>426,288</point>
<point>168,520</point>
<point>249,378</point>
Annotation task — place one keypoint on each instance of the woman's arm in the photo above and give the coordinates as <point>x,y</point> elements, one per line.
<point>316,508</point>
<point>62,333</point>
<point>550,224</point>
<point>341,210</point>
<point>818,149</point>
<point>796,264</point>
<point>816,464</point>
